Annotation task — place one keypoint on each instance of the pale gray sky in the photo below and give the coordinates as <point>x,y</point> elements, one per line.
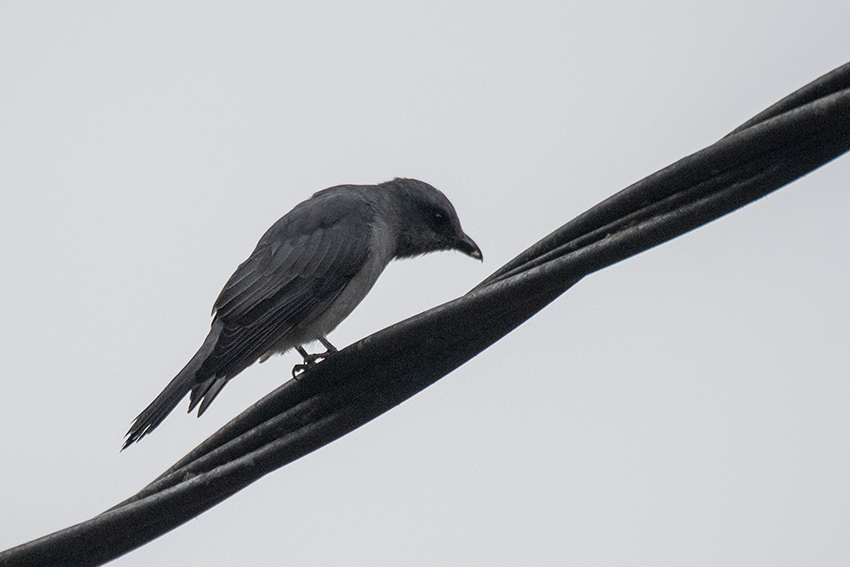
<point>688,406</point>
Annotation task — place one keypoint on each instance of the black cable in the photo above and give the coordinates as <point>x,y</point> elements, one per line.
<point>800,133</point>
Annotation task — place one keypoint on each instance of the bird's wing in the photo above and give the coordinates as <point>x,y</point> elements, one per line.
<point>299,267</point>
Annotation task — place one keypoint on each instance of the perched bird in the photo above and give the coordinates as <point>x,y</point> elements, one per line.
<point>307,273</point>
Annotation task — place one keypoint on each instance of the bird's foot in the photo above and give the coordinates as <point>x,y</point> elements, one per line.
<point>311,359</point>
<point>298,369</point>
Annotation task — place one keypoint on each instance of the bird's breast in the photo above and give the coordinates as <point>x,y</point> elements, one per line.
<point>381,246</point>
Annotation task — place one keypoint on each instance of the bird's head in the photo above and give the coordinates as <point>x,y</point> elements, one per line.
<point>427,221</point>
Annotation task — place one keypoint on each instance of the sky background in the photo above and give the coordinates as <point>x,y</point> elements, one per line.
<point>686,406</point>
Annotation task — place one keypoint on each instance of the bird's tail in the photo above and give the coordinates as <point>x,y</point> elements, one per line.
<point>176,390</point>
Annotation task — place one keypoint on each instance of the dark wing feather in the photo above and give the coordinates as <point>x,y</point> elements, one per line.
<point>299,267</point>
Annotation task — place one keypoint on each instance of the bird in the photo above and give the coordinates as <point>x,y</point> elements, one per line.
<point>306,275</point>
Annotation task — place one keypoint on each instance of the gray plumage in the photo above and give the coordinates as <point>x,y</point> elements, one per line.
<point>307,273</point>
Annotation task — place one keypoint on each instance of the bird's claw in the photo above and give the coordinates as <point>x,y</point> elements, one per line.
<point>310,360</point>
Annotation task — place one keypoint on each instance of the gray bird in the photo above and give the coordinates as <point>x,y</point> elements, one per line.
<point>307,274</point>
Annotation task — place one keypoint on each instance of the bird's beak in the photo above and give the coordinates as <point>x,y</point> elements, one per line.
<point>466,245</point>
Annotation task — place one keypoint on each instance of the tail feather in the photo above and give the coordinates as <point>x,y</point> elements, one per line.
<point>206,392</point>
<point>159,409</point>
<point>180,385</point>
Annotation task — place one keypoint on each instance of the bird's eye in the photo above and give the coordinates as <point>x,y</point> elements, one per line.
<point>436,218</point>
<point>439,220</point>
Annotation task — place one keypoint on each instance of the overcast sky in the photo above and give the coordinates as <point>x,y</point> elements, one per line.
<point>688,406</point>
